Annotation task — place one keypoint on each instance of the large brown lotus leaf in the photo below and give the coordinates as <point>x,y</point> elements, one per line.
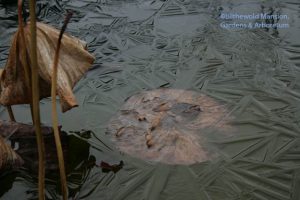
<point>74,61</point>
<point>8,157</point>
<point>168,125</point>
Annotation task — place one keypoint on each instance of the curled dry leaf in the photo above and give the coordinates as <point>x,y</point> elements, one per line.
<point>8,157</point>
<point>193,108</point>
<point>148,136</point>
<point>74,61</point>
<point>156,122</point>
<point>120,131</point>
<point>149,141</point>
<point>141,118</point>
<point>162,107</point>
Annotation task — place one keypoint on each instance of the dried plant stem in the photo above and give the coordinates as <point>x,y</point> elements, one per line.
<point>35,101</point>
<point>24,58</point>
<point>60,155</point>
<point>10,113</point>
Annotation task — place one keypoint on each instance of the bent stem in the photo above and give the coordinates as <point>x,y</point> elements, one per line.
<point>60,155</point>
<point>35,101</point>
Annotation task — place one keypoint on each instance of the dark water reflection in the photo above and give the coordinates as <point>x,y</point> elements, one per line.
<point>143,45</point>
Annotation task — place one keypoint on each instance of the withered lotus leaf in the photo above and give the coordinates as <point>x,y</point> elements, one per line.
<point>74,61</point>
<point>8,157</point>
<point>173,126</point>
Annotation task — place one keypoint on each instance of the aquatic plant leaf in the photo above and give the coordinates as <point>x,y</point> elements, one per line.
<point>171,131</point>
<point>74,61</point>
<point>8,157</point>
<point>22,137</point>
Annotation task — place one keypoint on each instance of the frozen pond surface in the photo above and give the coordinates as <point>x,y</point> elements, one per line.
<point>145,45</point>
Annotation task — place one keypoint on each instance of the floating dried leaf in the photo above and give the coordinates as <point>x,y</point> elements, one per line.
<point>174,132</point>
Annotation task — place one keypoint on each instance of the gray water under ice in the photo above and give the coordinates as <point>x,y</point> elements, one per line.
<point>143,45</point>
